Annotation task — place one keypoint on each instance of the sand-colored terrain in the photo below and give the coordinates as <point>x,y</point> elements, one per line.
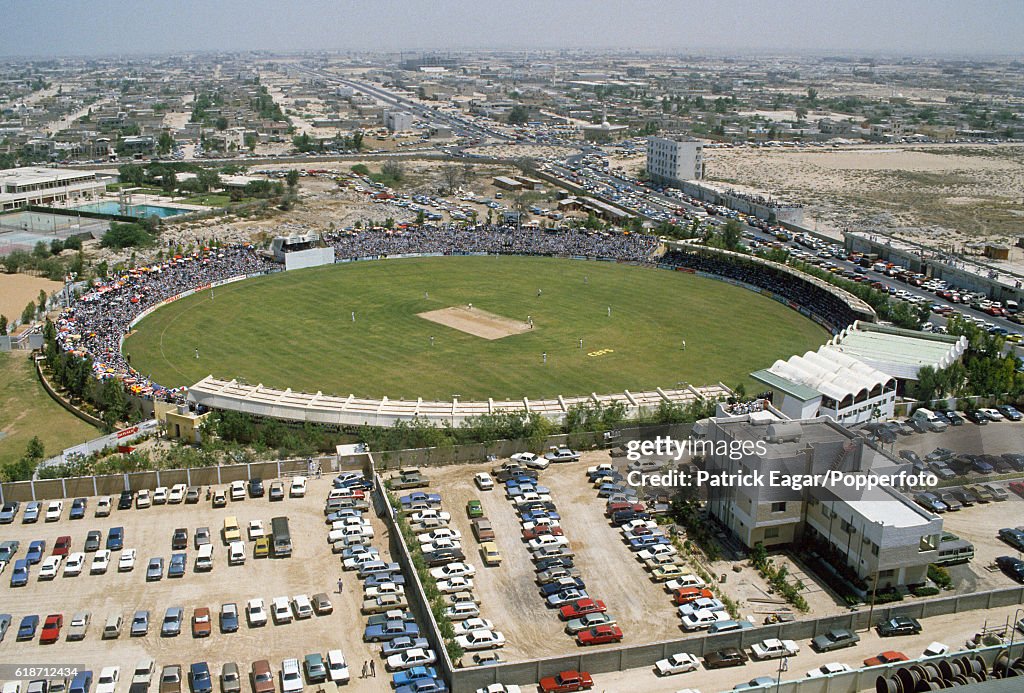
<point>16,290</point>
<point>937,193</point>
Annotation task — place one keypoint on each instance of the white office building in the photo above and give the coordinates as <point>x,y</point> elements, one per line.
<point>38,185</point>
<point>398,121</point>
<point>672,160</point>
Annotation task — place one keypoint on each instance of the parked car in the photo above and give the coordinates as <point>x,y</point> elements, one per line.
<point>79,625</point>
<point>262,677</point>
<point>676,664</point>
<point>726,657</point>
<point>155,569</point>
<point>230,680</point>
<point>31,514</point>
<point>170,679</point>
<point>173,618</point>
<point>1012,566</point>
<point>829,669</point>
<point>199,678</point>
<point>567,682</point>
<point>140,624</point>
<point>202,623</point>
<point>316,670</point>
<point>51,629</point>
<point>887,657</point>
<point>599,635</point>
<point>337,668</point>
<point>126,562</point>
<point>835,639</point>
<point>115,538</point>
<point>77,511</point>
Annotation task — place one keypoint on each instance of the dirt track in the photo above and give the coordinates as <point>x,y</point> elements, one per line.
<point>16,290</point>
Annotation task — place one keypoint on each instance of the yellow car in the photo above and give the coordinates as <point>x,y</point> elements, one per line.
<point>489,553</point>
<point>1014,337</point>
<point>232,532</point>
<point>262,548</point>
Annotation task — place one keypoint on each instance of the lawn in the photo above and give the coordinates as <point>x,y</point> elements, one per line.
<point>295,329</point>
<point>26,410</point>
<point>210,200</point>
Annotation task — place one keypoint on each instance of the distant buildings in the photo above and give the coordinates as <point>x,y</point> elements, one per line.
<point>672,160</point>
<point>33,185</point>
<point>398,121</point>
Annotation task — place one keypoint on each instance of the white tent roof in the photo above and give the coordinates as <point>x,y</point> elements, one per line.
<point>830,372</point>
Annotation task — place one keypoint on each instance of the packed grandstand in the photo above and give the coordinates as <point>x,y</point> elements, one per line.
<point>97,322</point>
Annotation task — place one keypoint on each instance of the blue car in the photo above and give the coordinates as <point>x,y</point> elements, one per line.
<point>534,515</point>
<point>418,673</point>
<point>229,619</point>
<point>35,551</point>
<point>389,630</point>
<point>31,513</point>
<point>176,568</point>
<point>563,584</point>
<point>403,643</point>
<point>420,497</point>
<point>7,512</point>
<point>77,509</point>
<point>381,578</point>
<point>115,538</point>
<point>424,686</point>
<point>19,576</point>
<point>199,678</point>
<point>81,683</point>
<point>640,543</point>
<point>27,628</point>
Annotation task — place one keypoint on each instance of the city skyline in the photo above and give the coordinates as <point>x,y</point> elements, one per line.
<point>916,27</point>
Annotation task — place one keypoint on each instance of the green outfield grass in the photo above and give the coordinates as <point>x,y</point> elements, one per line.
<point>295,330</point>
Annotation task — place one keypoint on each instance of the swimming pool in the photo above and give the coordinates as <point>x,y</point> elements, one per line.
<point>143,211</point>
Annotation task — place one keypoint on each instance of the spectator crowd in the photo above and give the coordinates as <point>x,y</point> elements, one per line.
<point>96,323</point>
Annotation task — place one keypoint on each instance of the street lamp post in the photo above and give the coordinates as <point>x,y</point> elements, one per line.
<point>1013,632</point>
<point>783,667</point>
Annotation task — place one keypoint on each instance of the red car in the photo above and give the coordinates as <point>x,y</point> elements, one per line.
<point>542,530</point>
<point>1017,487</point>
<point>582,607</point>
<point>685,595</point>
<point>566,682</point>
<point>63,546</point>
<point>599,635</point>
<point>51,628</point>
<point>887,657</point>
<point>617,506</point>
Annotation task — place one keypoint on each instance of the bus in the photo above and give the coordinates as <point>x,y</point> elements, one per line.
<point>954,550</point>
<point>282,538</point>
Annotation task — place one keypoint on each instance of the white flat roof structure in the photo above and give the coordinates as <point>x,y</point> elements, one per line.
<point>900,353</point>
<point>830,372</point>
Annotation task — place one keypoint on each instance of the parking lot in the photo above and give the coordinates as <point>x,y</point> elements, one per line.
<point>993,438</point>
<point>510,597</point>
<point>311,569</point>
<point>951,629</point>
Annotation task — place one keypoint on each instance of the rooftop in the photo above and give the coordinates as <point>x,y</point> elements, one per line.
<point>898,352</point>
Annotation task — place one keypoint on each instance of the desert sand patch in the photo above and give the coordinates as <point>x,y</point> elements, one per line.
<point>16,290</point>
<point>476,322</point>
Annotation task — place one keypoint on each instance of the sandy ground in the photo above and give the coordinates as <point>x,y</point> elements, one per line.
<point>311,569</point>
<point>16,290</point>
<point>939,193</point>
<point>476,322</point>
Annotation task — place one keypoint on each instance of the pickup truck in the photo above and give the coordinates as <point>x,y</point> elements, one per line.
<point>142,676</point>
<point>482,529</point>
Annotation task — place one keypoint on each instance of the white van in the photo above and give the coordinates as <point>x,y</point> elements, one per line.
<point>930,419</point>
<point>204,560</point>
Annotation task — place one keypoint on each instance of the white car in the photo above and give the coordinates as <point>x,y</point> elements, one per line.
<point>103,506</point>
<point>441,545</point>
<point>144,499</point>
<point>935,649</point>
<point>993,414</point>
<point>703,619</point>
<point>359,534</point>
<point>451,570</point>
<point>237,490</point>
<point>160,495</point>
<point>291,676</point>
<point>431,514</point>
<point>656,551</point>
<point>54,510</point>
<point>829,669</point>
<point>773,648</point>
<point>256,613</point>
<point>676,664</point>
<point>281,610</point>
<point>531,460</point>
<point>357,560</point>
<point>74,564</point>
<point>302,606</point>
<point>684,581</point>
<point>480,639</point>
<point>298,487</point>
<point>100,562</point>
<point>48,570</point>
<point>471,624</point>
<point>373,591</point>
<point>441,533</point>
<point>546,540</point>
<point>408,659</point>
<point>127,561</point>
<point>456,583</point>
<point>107,682</point>
<point>256,530</point>
<point>236,553</point>
<point>483,481</point>
<point>337,669</point>
<point>177,494</point>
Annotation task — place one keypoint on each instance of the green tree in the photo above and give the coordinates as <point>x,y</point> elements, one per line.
<point>250,141</point>
<point>292,178</point>
<point>221,123</point>
<point>812,94</point>
<point>124,236</point>
<point>132,174</point>
<point>169,181</point>
<point>207,180</point>
<point>518,114</point>
<point>731,234</point>
<point>3,325</point>
<point>165,143</point>
<point>393,170</point>
<point>361,170</point>
<point>29,313</point>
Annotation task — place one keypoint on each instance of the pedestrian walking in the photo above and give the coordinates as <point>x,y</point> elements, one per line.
<point>373,668</point>
<point>197,352</point>
<point>366,666</point>
<point>341,586</point>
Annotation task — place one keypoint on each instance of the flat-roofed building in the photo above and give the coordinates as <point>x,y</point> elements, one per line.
<point>877,532</point>
<point>672,160</point>
<point>35,185</point>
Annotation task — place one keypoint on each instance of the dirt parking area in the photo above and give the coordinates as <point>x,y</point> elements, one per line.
<point>980,525</point>
<point>312,568</point>
<point>510,596</point>
<point>951,629</point>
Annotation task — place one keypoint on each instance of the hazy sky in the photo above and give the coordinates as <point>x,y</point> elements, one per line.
<point>101,27</point>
